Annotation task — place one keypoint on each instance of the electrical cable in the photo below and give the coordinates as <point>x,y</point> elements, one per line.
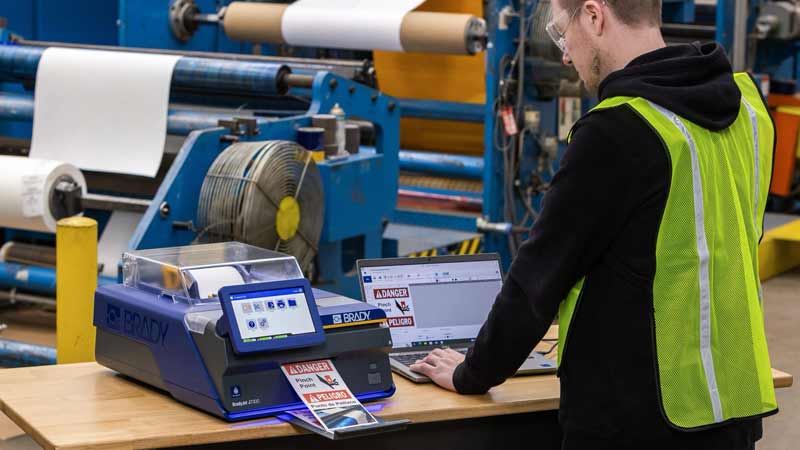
<point>267,194</point>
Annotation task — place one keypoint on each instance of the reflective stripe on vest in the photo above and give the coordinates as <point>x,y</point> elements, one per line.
<point>710,347</point>
<point>702,256</point>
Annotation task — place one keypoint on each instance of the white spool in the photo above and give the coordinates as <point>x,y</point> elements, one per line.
<point>26,185</point>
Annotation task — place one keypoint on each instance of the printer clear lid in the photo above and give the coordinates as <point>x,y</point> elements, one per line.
<point>193,274</point>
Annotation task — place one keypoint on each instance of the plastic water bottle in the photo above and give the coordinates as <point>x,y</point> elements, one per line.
<point>340,127</point>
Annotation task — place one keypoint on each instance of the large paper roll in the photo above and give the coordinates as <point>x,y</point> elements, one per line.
<point>102,111</point>
<point>355,24</point>
<point>26,186</point>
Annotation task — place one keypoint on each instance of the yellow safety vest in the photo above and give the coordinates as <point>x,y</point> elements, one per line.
<point>711,352</point>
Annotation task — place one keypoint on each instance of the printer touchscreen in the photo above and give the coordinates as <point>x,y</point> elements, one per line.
<point>272,314</point>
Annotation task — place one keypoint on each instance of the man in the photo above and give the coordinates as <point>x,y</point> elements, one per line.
<point>646,247</point>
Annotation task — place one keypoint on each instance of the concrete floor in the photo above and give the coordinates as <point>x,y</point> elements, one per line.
<point>782,307</point>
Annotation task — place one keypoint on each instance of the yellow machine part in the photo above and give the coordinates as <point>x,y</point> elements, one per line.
<point>427,76</point>
<point>779,250</point>
<point>794,110</point>
<point>288,218</point>
<point>76,281</point>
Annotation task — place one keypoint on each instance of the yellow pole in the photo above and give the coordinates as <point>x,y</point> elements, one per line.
<point>76,281</point>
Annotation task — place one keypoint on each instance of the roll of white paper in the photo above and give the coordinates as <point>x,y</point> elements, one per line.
<point>353,24</point>
<point>102,111</point>
<point>26,185</point>
<point>212,279</point>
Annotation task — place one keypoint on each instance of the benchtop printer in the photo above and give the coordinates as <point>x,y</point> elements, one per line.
<point>212,324</point>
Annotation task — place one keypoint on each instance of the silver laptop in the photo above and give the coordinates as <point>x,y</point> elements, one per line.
<point>434,302</point>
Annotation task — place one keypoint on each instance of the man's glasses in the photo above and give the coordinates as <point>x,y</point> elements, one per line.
<point>557,28</point>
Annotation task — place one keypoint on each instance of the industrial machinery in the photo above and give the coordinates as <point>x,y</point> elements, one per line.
<point>761,37</point>
<point>461,172</point>
<point>773,51</point>
<point>338,206</point>
<point>222,352</point>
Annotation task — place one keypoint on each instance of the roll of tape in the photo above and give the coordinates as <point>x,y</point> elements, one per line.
<point>27,186</point>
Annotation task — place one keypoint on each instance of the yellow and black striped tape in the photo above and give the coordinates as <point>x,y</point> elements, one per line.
<point>468,247</point>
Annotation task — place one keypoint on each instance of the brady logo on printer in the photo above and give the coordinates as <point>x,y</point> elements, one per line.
<point>112,316</point>
<point>349,317</point>
<point>136,325</point>
<point>236,391</point>
<point>382,293</point>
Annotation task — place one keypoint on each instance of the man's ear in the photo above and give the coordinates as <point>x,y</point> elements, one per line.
<point>595,16</point>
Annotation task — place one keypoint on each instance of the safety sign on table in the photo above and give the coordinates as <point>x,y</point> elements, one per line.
<point>326,396</point>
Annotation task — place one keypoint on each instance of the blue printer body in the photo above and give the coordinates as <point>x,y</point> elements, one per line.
<point>177,347</point>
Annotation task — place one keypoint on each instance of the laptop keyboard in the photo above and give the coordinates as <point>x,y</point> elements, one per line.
<point>412,357</point>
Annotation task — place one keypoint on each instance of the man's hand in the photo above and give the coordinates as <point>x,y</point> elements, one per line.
<point>439,366</point>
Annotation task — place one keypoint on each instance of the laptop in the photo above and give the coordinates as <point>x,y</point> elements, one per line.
<point>434,302</point>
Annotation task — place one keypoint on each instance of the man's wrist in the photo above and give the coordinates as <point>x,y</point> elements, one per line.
<point>465,382</point>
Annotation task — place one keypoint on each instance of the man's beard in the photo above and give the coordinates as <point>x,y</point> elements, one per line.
<point>593,82</point>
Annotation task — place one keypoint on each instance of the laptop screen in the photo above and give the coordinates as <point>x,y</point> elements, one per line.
<point>441,303</point>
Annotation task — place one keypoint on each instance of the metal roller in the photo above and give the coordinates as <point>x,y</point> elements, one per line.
<point>362,71</point>
<point>267,194</point>
<point>191,74</point>
<point>22,253</point>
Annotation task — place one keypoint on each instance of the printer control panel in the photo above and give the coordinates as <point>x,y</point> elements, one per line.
<point>274,314</point>
<point>271,316</point>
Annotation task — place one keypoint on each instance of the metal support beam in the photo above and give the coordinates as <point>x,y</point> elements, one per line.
<point>113,203</point>
<point>20,108</point>
<point>739,50</point>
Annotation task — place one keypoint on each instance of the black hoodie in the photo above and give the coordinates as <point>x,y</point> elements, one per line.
<point>600,220</point>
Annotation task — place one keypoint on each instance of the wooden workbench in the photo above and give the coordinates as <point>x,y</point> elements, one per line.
<point>89,406</point>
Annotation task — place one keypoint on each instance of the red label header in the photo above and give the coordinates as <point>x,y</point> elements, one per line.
<point>308,367</point>
<point>382,293</point>
<point>317,397</point>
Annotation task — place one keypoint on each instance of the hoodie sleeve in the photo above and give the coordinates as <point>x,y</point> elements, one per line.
<point>597,187</point>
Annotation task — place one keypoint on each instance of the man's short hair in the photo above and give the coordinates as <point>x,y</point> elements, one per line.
<point>629,12</point>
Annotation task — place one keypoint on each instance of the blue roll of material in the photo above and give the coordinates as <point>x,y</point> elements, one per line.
<point>311,138</point>
<point>21,354</point>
